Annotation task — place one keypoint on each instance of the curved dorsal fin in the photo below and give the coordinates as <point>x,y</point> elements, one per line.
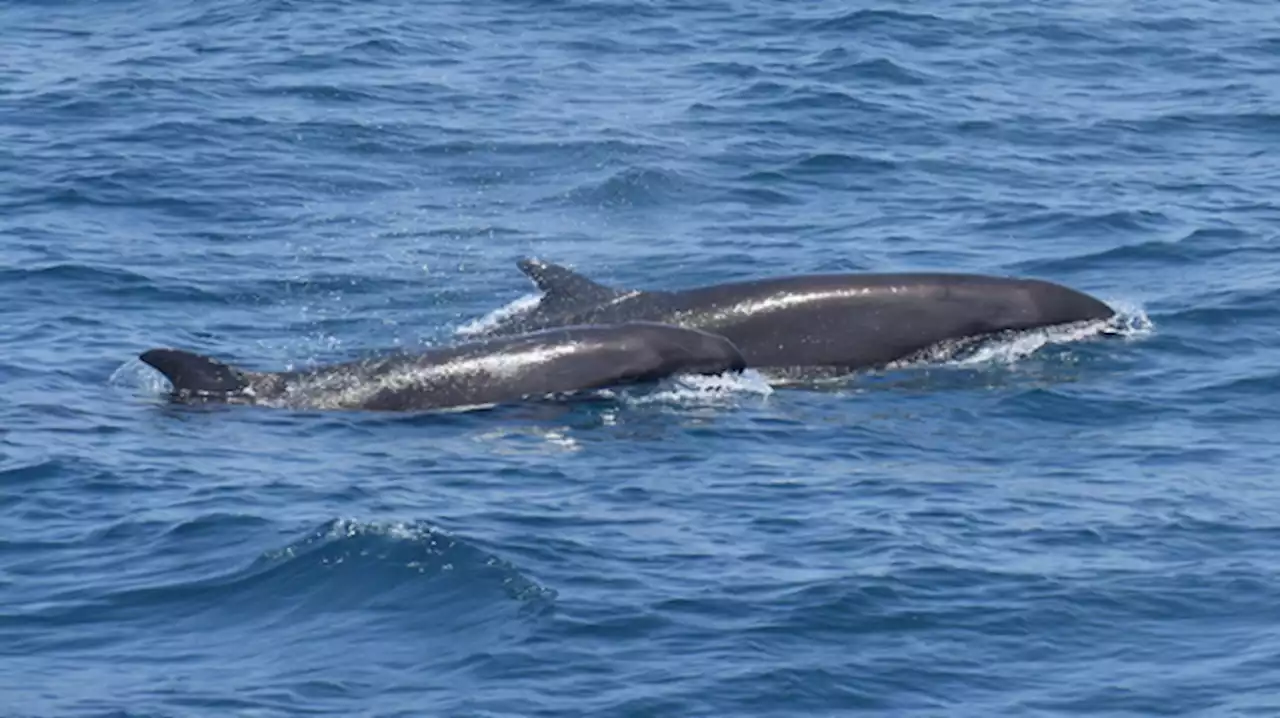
<point>194,375</point>
<point>562,287</point>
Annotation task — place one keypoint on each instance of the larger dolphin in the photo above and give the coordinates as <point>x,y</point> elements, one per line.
<point>831,322</point>
<point>476,373</point>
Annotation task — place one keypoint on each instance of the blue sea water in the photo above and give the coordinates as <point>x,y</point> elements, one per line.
<point>1063,523</point>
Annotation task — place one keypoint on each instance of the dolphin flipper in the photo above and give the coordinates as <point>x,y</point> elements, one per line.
<point>193,375</point>
<point>564,288</point>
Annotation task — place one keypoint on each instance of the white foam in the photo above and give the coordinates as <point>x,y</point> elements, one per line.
<point>547,440</point>
<point>435,539</point>
<point>1130,322</point>
<point>706,389</point>
<point>399,530</point>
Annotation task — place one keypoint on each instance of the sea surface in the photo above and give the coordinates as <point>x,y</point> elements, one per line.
<point>1079,522</point>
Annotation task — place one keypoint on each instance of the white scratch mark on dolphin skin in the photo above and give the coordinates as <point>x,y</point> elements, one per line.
<point>352,386</point>
<point>523,306</point>
<point>520,306</point>
<point>793,299</point>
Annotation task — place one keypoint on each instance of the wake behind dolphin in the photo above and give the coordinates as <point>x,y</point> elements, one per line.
<point>816,324</point>
<point>553,361</point>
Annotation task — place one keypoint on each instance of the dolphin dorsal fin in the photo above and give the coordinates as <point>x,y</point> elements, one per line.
<point>194,375</point>
<point>562,287</point>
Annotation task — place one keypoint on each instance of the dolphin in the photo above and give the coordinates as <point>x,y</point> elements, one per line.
<point>816,325</point>
<point>477,373</point>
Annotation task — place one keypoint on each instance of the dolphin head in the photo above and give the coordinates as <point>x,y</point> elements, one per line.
<point>1057,304</point>
<point>692,350</point>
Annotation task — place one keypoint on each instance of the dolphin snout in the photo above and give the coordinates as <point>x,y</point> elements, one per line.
<point>703,352</point>
<point>726,353</point>
<point>1062,305</point>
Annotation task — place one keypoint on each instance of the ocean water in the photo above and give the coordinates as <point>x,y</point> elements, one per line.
<point>1062,523</point>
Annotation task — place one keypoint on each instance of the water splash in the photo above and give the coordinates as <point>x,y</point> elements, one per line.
<point>391,547</point>
<point>1130,322</point>
<point>694,389</point>
<point>135,378</point>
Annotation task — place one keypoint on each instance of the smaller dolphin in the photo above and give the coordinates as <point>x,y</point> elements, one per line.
<point>479,373</point>
<point>816,324</point>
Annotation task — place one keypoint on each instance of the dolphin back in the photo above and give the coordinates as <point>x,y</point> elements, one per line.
<point>563,360</point>
<point>847,321</point>
<point>555,361</point>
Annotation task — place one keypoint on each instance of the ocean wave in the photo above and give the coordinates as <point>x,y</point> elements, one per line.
<point>842,65</point>
<point>66,277</point>
<point>758,197</point>
<point>1192,249</point>
<point>1168,125</point>
<point>812,100</point>
<point>636,187</point>
<point>869,19</point>
<point>1074,224</point>
<point>823,163</point>
<point>720,70</point>
<point>360,568</point>
<point>28,474</point>
<point>318,93</point>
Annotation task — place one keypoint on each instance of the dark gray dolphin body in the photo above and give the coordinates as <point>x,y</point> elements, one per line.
<point>476,373</point>
<point>832,322</point>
